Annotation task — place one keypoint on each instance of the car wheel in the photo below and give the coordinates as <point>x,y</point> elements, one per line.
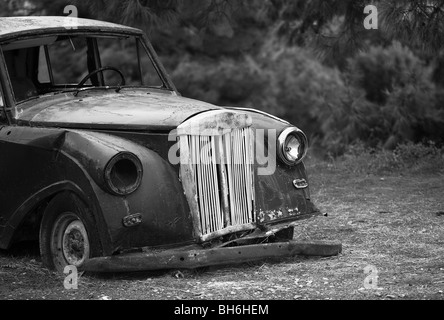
<point>66,236</point>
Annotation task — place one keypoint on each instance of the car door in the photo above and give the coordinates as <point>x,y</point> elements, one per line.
<point>26,159</point>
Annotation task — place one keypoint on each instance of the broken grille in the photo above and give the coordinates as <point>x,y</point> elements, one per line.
<point>221,169</point>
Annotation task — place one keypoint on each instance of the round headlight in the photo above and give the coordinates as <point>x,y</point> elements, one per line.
<point>292,146</point>
<point>123,173</point>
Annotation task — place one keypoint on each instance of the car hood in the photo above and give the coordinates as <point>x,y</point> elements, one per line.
<point>124,110</point>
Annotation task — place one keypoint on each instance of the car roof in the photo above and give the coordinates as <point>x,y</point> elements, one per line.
<point>11,27</point>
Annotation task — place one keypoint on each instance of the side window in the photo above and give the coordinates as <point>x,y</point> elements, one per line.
<point>19,63</point>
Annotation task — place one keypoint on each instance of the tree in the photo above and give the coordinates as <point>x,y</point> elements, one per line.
<point>334,27</point>
<point>417,24</point>
<point>138,13</point>
<point>15,7</point>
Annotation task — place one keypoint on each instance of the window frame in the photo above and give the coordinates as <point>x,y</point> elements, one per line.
<point>48,65</point>
<point>6,91</point>
<point>3,117</point>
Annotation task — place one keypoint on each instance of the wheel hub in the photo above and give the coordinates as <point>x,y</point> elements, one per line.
<point>75,243</point>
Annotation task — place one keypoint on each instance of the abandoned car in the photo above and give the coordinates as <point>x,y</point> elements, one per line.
<point>111,169</point>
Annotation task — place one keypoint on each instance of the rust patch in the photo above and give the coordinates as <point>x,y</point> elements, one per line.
<point>214,123</point>
<point>30,25</point>
<point>271,215</point>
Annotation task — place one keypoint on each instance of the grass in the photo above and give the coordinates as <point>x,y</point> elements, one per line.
<point>390,220</point>
<point>409,157</point>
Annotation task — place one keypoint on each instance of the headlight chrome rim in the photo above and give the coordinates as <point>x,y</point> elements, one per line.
<point>282,145</point>
<point>123,159</point>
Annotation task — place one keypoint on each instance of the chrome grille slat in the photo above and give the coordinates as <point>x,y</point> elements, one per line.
<point>233,151</point>
<point>219,212</point>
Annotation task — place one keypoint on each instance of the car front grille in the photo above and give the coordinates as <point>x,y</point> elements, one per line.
<point>221,171</point>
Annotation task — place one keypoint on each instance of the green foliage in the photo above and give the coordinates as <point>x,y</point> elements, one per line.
<point>421,156</point>
<point>223,82</point>
<point>379,70</point>
<point>390,99</point>
<point>417,24</point>
<point>438,69</point>
<point>335,27</point>
<point>303,89</point>
<point>138,13</point>
<point>4,9</point>
<point>407,158</point>
<point>249,53</point>
<point>286,81</point>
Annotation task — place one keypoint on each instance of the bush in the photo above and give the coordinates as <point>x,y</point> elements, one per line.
<point>390,100</point>
<point>385,98</point>
<point>285,81</point>
<point>420,157</point>
<point>305,90</point>
<point>223,82</point>
<point>406,158</point>
<point>380,70</point>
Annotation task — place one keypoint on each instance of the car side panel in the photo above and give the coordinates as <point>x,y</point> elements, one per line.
<point>33,159</point>
<point>26,156</point>
<point>32,170</point>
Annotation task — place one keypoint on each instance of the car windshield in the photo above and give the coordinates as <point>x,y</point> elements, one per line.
<point>72,62</point>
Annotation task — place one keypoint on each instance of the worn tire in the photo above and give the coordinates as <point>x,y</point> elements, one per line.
<point>67,233</point>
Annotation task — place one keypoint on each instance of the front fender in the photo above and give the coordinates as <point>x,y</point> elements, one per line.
<point>159,200</point>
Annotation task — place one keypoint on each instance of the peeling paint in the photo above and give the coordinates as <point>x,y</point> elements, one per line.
<point>129,107</point>
<point>125,202</point>
<point>270,215</point>
<point>13,26</point>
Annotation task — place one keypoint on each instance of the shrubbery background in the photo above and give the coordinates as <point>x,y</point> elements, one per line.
<point>383,97</point>
<point>296,59</point>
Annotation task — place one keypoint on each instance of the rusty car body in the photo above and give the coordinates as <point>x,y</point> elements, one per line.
<point>85,167</point>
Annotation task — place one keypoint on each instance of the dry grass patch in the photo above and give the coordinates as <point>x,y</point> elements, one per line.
<point>391,222</point>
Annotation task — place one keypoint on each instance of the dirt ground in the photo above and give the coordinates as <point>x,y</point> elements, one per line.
<point>391,226</point>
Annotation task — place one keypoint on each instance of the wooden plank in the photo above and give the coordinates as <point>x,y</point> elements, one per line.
<point>189,259</point>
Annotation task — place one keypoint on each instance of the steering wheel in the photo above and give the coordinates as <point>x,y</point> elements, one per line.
<point>89,75</point>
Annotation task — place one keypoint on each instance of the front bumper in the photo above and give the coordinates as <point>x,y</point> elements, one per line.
<point>241,250</point>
